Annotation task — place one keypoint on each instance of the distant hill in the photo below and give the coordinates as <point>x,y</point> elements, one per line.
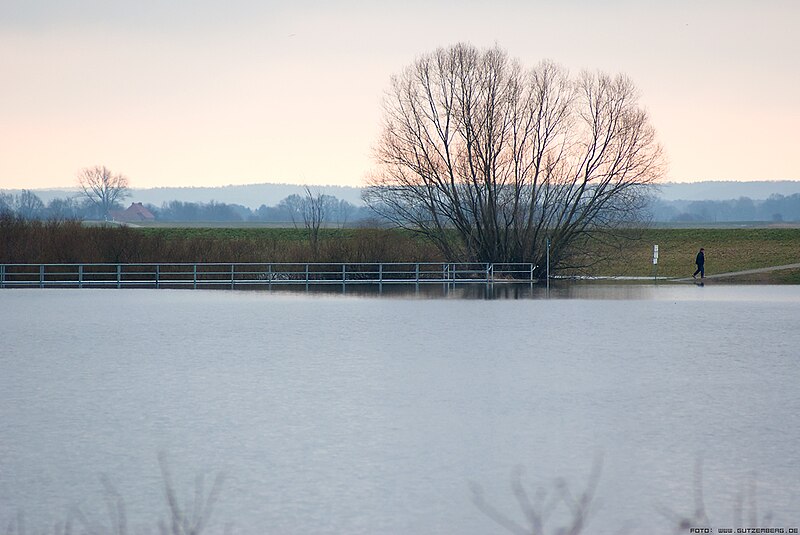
<point>726,190</point>
<point>254,195</point>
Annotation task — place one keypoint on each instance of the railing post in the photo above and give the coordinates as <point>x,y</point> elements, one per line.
<point>194,276</point>
<point>41,276</point>
<point>80,275</point>
<point>269,276</point>
<point>548,267</point>
<point>416,275</point>
<point>344,276</point>
<point>2,276</point>
<point>380,277</point>
<point>119,276</point>
<point>158,276</point>
<point>232,275</point>
<point>306,277</point>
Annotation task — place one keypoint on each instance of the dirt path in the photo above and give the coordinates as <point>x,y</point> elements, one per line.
<point>745,272</point>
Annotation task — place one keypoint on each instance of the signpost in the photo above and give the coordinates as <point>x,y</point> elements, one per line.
<point>655,263</point>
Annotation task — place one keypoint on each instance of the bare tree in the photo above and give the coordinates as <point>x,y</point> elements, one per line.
<point>102,188</point>
<point>317,208</point>
<point>293,206</point>
<point>344,210</point>
<point>489,159</point>
<point>6,203</point>
<point>29,205</point>
<point>60,209</point>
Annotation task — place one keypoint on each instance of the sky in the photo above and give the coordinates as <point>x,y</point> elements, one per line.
<point>207,93</point>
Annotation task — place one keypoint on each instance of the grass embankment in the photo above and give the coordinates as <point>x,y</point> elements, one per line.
<point>726,250</point>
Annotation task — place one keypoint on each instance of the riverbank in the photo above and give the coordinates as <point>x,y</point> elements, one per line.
<point>727,250</point>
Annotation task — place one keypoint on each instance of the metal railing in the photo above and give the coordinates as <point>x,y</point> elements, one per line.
<point>258,275</point>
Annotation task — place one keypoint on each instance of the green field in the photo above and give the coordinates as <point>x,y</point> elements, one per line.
<point>726,250</point>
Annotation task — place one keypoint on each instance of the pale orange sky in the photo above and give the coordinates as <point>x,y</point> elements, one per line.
<point>202,93</point>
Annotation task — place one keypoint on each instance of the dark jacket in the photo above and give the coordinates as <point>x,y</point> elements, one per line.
<point>701,259</point>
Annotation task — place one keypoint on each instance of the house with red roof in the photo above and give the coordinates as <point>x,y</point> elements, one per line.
<point>135,213</point>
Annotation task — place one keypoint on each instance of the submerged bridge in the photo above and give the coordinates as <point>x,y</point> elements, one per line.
<point>741,273</point>
<point>259,275</point>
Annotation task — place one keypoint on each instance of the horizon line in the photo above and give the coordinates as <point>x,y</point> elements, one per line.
<point>220,186</point>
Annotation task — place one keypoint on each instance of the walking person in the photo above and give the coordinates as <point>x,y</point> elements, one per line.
<point>700,261</point>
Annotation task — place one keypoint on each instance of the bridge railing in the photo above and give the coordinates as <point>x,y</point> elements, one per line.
<point>233,275</point>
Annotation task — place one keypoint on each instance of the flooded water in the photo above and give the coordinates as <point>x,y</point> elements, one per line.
<point>350,414</point>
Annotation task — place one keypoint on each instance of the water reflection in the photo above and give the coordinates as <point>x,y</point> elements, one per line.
<point>592,290</point>
<point>338,414</point>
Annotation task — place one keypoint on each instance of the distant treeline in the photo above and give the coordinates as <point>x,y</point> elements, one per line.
<point>776,208</point>
<point>290,210</point>
<point>27,205</point>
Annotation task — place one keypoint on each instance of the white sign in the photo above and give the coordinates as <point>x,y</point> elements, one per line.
<point>655,254</point>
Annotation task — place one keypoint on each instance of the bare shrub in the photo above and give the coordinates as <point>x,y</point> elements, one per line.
<point>69,241</point>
